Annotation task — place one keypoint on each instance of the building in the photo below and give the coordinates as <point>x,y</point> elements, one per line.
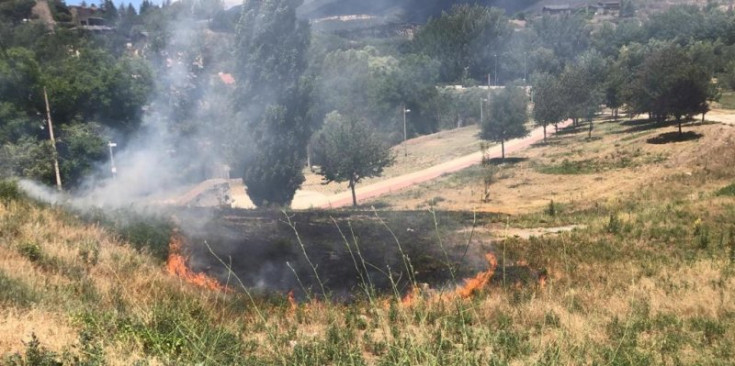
<point>557,9</point>
<point>89,18</point>
<point>609,5</point>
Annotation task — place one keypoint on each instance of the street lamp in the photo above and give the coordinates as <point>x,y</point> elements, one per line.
<point>496,69</point>
<point>113,169</point>
<point>405,149</point>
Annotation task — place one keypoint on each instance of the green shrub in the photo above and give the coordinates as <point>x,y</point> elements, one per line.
<point>32,251</point>
<point>145,232</point>
<point>727,190</point>
<point>14,292</point>
<point>35,355</point>
<point>9,191</point>
<point>614,224</point>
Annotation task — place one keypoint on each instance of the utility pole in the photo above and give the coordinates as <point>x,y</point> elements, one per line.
<point>405,149</point>
<point>53,140</point>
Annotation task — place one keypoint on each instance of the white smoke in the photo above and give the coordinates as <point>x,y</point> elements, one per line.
<point>151,165</point>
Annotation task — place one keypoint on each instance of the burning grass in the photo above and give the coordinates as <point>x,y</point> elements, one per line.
<point>177,266</point>
<point>481,280</point>
<point>646,278</point>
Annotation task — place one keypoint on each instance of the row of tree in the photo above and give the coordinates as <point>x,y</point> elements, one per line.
<point>662,79</point>
<point>287,80</point>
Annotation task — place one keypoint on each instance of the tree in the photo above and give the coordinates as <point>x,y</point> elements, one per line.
<point>581,87</point>
<point>109,11</point>
<point>613,88</point>
<point>567,36</point>
<point>466,38</point>
<point>627,9</point>
<point>349,150</point>
<point>507,117</point>
<point>272,98</point>
<point>547,107</point>
<point>671,84</point>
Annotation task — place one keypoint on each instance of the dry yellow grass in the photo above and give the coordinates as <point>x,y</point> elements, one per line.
<point>521,188</point>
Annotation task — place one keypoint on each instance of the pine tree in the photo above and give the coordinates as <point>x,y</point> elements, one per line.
<point>272,98</point>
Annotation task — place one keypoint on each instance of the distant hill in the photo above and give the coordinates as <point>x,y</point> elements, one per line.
<point>416,11</point>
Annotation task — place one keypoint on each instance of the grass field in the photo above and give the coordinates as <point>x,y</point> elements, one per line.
<point>645,276</point>
<point>576,170</point>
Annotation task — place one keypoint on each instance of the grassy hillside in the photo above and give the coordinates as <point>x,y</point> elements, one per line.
<point>646,277</point>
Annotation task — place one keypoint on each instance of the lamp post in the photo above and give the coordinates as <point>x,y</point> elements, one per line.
<point>405,149</point>
<point>482,101</point>
<point>496,69</point>
<point>113,169</point>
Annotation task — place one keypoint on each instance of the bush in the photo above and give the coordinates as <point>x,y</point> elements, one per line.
<point>9,191</point>
<point>727,190</point>
<point>35,355</point>
<point>15,292</point>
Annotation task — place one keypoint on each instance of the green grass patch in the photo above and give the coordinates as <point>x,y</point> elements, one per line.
<point>727,190</point>
<point>620,159</point>
<point>567,167</point>
<point>146,232</point>
<point>9,191</point>
<point>727,100</point>
<point>16,293</point>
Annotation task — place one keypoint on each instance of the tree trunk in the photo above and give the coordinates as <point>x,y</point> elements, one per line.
<point>556,127</point>
<point>589,133</point>
<point>502,148</point>
<point>678,120</point>
<point>703,113</point>
<point>544,133</point>
<point>354,197</point>
<point>308,157</point>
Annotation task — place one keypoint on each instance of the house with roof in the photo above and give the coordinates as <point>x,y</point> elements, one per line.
<point>89,18</point>
<point>557,9</point>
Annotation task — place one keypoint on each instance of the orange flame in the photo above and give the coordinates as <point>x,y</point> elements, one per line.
<point>292,301</point>
<point>176,265</point>
<point>476,283</point>
<point>410,297</point>
<point>542,280</point>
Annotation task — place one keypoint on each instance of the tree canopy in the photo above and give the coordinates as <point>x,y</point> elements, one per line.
<point>272,96</point>
<point>548,107</point>
<point>348,150</point>
<point>507,117</point>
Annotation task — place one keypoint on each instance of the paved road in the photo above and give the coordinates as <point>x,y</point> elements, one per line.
<point>407,180</point>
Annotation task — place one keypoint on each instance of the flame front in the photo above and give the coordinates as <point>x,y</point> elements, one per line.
<point>176,265</point>
<point>478,282</point>
<point>410,297</point>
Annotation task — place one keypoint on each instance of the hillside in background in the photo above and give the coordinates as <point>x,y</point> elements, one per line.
<point>416,11</point>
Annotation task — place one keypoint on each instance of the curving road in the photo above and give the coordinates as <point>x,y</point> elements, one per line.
<point>363,193</point>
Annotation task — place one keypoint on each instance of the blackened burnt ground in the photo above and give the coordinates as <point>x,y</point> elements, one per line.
<point>260,245</point>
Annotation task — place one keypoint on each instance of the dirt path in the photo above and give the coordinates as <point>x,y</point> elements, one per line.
<point>43,12</point>
<point>397,183</point>
<point>726,116</point>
